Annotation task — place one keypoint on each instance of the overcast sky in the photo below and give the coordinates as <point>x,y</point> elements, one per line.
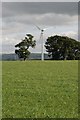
<point>40,0</point>
<point>20,18</point>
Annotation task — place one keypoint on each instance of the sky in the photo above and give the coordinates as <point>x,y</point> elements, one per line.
<point>20,18</point>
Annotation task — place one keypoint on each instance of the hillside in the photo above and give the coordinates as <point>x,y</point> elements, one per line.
<point>32,56</point>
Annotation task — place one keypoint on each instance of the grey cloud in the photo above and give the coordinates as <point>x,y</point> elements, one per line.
<point>19,8</point>
<point>40,13</point>
<point>40,0</point>
<point>45,19</point>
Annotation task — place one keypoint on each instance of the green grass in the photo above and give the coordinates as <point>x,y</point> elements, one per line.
<point>0,90</point>
<point>36,89</point>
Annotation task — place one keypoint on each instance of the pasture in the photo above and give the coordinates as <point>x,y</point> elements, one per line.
<point>36,89</point>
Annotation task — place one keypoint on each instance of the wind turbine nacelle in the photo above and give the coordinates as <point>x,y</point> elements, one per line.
<point>42,30</point>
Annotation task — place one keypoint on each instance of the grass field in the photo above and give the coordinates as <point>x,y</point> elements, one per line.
<point>35,89</point>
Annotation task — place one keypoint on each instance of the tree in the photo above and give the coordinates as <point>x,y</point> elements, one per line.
<point>62,47</point>
<point>24,45</point>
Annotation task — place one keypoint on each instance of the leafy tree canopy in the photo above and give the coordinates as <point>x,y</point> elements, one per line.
<point>24,45</point>
<point>62,47</point>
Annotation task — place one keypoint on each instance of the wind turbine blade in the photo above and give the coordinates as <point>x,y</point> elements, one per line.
<point>47,28</point>
<point>38,27</point>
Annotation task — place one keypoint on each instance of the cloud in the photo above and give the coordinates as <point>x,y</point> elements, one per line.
<point>21,23</point>
<point>40,0</point>
<point>19,8</point>
<point>71,34</point>
<point>17,16</point>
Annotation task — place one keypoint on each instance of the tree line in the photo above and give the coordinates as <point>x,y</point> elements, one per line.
<point>58,47</point>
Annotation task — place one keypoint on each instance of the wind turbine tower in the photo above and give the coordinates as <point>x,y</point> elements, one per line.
<point>42,43</point>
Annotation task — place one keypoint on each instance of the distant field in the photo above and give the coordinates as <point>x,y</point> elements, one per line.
<point>35,89</point>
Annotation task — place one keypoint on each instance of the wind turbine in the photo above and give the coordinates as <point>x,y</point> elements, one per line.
<point>41,38</point>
